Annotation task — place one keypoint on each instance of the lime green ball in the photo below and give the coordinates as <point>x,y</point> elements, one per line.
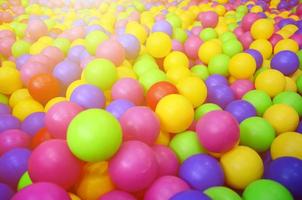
<point>93,40</point>
<point>185,145</point>
<point>20,48</point>
<point>289,98</point>
<point>239,16</point>
<point>144,65</point>
<point>145,57</point>
<point>264,189</point>
<point>63,44</point>
<point>180,35</point>
<point>299,53</point>
<point>204,109</point>
<point>200,71</point>
<point>100,72</point>
<point>299,84</point>
<point>227,36</point>
<point>259,99</point>
<point>222,193</point>
<point>257,133</point>
<point>24,181</point>
<point>242,9</point>
<point>208,34</point>
<point>94,135</point>
<point>174,20</point>
<point>232,26</point>
<point>219,64</point>
<point>3,99</point>
<point>151,77</point>
<point>20,30</point>
<point>232,47</point>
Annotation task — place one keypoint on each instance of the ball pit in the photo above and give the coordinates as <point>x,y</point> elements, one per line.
<point>150,100</point>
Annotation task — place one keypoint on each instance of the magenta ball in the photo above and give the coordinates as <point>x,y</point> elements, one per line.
<point>42,190</point>
<point>165,187</point>
<point>241,87</point>
<point>208,19</point>
<point>246,39</point>
<point>298,39</point>
<point>59,116</point>
<point>275,38</point>
<point>13,138</point>
<point>117,195</point>
<point>248,20</point>
<point>192,45</point>
<point>52,161</point>
<point>111,50</point>
<point>128,89</point>
<point>167,160</point>
<point>134,167</point>
<point>177,46</point>
<point>239,31</point>
<point>218,131</point>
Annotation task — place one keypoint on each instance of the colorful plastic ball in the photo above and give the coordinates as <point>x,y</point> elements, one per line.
<point>67,71</point>
<point>242,165</point>
<point>128,89</point>
<point>205,108</point>
<point>242,66</point>
<point>175,59</point>
<point>88,96</point>
<point>162,26</point>
<point>42,190</point>
<point>134,167</point>
<point>271,81</point>
<point>219,65</point>
<point>216,79</point>
<point>25,108</point>
<point>158,91</point>
<point>299,84</point>
<point>117,194</point>
<point>259,190</point>
<point>208,34</point>
<point>248,20</point>
<point>131,45</point>
<point>151,77</point>
<point>256,55</point>
<point>36,28</point>
<point>241,110</point>
<point>260,100</point>
<point>263,46</point>
<point>190,194</point>
<point>31,69</point>
<point>241,87</point>
<point>4,109</point>
<point>166,159</point>
<point>232,47</point>
<point>111,50</point>
<point>262,29</point>
<point>287,145</point>
<point>159,44</point>
<point>286,44</point>
<point>6,192</point>
<point>54,53</point>
<point>24,181</point>
<point>140,123</point>
<point>119,107</point>
<point>175,112</point>
<point>12,165</point>
<point>8,121</point>
<point>12,79</point>
<point>282,117</point>
<point>93,40</point>
<point>20,48</point>
<point>208,19</point>
<point>105,135</point>
<point>33,123</point>
<point>222,193</point>
<point>286,62</point>
<point>290,98</point>
<point>221,95</point>
<point>208,50</point>
<point>176,74</point>
<point>165,187</point>
<point>13,138</point>
<point>191,46</point>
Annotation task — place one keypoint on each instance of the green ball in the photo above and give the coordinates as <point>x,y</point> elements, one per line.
<point>180,35</point>
<point>144,65</point>
<point>290,98</point>
<point>200,71</point>
<point>174,20</point>
<point>232,47</point>
<point>24,181</point>
<point>93,40</point>
<point>227,36</point>
<point>232,26</point>
<point>208,34</point>
<point>151,77</point>
<point>242,9</point>
<point>20,48</point>
<point>20,30</point>
<point>299,84</point>
<point>100,72</point>
<point>259,99</point>
<point>264,189</point>
<point>219,64</point>
<point>94,135</point>
<point>204,109</point>
<point>3,99</point>
<point>63,44</point>
<point>257,133</point>
<point>222,193</point>
<point>185,145</point>
<point>299,54</point>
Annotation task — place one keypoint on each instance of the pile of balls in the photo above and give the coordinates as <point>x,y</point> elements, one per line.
<point>150,100</point>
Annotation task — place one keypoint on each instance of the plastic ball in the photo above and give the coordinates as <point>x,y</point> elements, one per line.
<point>290,98</point>
<point>256,55</point>
<point>286,62</point>
<point>20,48</point>
<point>8,121</point>
<point>177,74</point>
<point>232,47</point>
<point>208,34</point>
<point>36,28</point>
<point>151,77</point>
<point>208,50</point>
<point>271,81</point>
<point>67,72</point>
<point>175,59</point>
<point>222,193</point>
<point>13,138</point>
<point>221,95</point>
<point>299,84</point>
<point>191,46</point>
<point>4,109</point>
<point>93,40</point>
<point>131,45</point>
<point>263,46</point>
<point>33,123</point>
<point>24,181</point>
<point>262,29</point>
<point>6,192</point>
<point>119,107</point>
<point>241,110</point>
<point>241,87</point>
<point>208,19</point>
<point>204,109</point>
<point>166,159</point>
<point>219,65</point>
<point>12,79</point>
<point>286,44</point>
<point>190,194</point>
<point>242,66</point>
<point>159,44</point>
<point>216,79</point>
<point>248,20</point>
<point>116,194</point>
<point>242,165</point>
<point>111,50</point>
<point>25,108</point>
<point>162,26</point>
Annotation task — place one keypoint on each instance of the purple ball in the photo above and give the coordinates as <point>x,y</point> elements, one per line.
<point>285,22</point>
<point>6,192</point>
<point>256,55</point>
<point>221,95</point>
<point>33,123</point>
<point>13,164</point>
<point>241,110</point>
<point>4,109</point>
<point>131,45</point>
<point>216,79</point>
<point>67,71</point>
<point>202,171</point>
<point>94,27</point>
<point>190,194</point>
<point>22,60</point>
<point>75,52</point>
<point>88,96</point>
<point>287,62</point>
<point>119,107</point>
<point>299,128</point>
<point>8,121</point>
<point>162,26</point>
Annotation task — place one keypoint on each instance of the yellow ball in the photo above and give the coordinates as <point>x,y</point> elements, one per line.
<point>159,44</point>
<point>176,59</point>
<point>287,145</point>
<point>271,81</point>
<point>242,165</point>
<point>178,73</point>
<point>53,101</point>
<point>263,46</point>
<point>262,29</point>
<point>137,30</point>
<point>74,197</point>
<point>290,85</point>
<point>242,66</point>
<point>163,138</point>
<point>282,117</point>
<point>125,72</point>
<point>27,107</point>
<point>175,112</point>
<point>8,63</point>
<point>286,44</point>
<point>18,96</point>
<point>10,80</point>
<point>208,50</point>
<point>194,89</point>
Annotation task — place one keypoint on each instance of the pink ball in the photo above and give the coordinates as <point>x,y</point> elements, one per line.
<point>218,131</point>
<point>246,39</point>
<point>36,28</point>
<point>140,123</point>
<point>111,50</point>
<point>240,87</point>
<point>5,46</point>
<point>192,45</point>
<point>165,187</point>
<point>6,34</point>
<point>54,53</point>
<point>299,9</point>
<point>208,19</point>
<point>117,195</point>
<point>177,46</point>
<point>238,31</point>
<point>52,161</point>
<point>167,160</point>
<point>13,138</point>
<point>248,21</point>
<point>275,38</point>
<point>76,33</point>
<point>298,39</point>
<point>128,89</point>
<point>59,116</point>
<point>46,61</point>
<point>134,167</point>
<point>42,190</point>
<point>196,30</point>
<point>30,69</point>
